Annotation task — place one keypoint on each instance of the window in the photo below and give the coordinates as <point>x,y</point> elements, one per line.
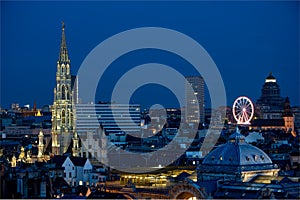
<point>63,116</point>
<point>65,174</point>
<point>67,91</point>
<point>70,174</point>
<point>63,92</point>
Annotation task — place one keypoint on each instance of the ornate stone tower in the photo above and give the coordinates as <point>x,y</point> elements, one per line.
<point>288,117</point>
<point>75,149</point>
<point>41,146</point>
<point>62,110</point>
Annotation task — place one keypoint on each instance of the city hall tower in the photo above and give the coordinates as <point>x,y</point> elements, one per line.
<point>62,109</point>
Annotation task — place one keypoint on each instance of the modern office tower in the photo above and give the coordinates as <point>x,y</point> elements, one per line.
<point>270,105</point>
<point>62,109</point>
<point>194,99</point>
<point>116,120</point>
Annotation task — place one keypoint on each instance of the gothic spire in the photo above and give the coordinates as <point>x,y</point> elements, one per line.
<point>63,54</point>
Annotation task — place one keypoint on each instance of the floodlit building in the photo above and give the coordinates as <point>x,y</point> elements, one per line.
<point>62,109</point>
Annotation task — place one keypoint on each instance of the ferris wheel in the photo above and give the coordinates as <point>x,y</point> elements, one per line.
<point>243,110</point>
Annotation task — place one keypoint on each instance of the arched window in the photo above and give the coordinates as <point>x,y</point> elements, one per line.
<point>68,93</point>
<point>63,92</point>
<point>67,69</point>
<point>62,68</point>
<point>63,116</point>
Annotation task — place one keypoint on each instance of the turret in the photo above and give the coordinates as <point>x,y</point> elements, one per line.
<point>75,149</point>
<point>41,146</point>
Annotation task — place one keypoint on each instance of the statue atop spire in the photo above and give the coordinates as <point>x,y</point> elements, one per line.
<point>63,54</point>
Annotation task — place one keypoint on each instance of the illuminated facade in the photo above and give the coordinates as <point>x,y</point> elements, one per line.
<point>195,106</point>
<point>62,109</point>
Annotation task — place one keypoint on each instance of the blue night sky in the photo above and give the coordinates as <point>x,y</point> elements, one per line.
<point>246,40</point>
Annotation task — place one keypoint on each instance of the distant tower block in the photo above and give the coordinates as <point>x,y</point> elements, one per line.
<point>194,99</point>
<point>243,110</point>
<point>62,109</point>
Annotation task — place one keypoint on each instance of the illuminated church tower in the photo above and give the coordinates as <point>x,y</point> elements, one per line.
<point>288,117</point>
<point>62,110</point>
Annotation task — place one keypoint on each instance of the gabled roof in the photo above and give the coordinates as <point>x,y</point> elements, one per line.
<point>78,161</point>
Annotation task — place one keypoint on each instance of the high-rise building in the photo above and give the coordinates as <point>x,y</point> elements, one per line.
<point>194,99</point>
<point>62,109</point>
<point>114,118</point>
<point>270,105</point>
<point>117,120</point>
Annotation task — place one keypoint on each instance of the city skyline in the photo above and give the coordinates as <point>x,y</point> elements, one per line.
<point>239,51</point>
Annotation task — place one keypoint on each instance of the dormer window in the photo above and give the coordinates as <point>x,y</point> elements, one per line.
<point>255,157</point>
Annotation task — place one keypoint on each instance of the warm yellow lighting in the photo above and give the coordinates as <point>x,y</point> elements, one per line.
<point>38,114</point>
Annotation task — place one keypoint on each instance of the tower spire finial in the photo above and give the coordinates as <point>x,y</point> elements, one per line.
<point>63,54</point>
